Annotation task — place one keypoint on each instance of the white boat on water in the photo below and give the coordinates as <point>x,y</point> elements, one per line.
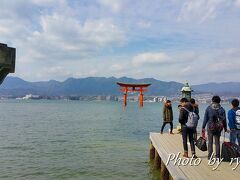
<point>31,96</point>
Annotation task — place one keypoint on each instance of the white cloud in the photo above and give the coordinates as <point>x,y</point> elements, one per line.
<point>144,24</point>
<point>237,2</point>
<point>121,69</point>
<point>114,5</point>
<point>65,38</point>
<point>116,68</point>
<point>70,31</point>
<point>56,39</point>
<point>55,72</point>
<point>187,70</point>
<point>150,59</point>
<point>49,32</point>
<point>93,72</point>
<point>55,69</point>
<point>226,61</point>
<point>47,2</point>
<point>200,10</point>
<point>77,74</point>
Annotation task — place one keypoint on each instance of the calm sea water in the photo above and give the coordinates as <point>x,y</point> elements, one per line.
<point>77,140</point>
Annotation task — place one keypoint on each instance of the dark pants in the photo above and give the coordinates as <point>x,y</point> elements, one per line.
<point>188,132</point>
<point>195,135</point>
<point>210,144</point>
<point>164,124</point>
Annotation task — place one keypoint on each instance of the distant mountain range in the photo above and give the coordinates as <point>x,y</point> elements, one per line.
<point>226,88</point>
<point>14,86</point>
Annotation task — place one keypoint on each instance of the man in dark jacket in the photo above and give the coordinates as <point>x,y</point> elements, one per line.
<point>187,132</point>
<point>234,122</point>
<point>215,119</point>
<point>167,116</point>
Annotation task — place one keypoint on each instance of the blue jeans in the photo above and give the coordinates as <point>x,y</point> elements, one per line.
<point>235,135</point>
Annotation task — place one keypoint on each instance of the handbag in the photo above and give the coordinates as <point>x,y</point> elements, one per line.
<point>201,144</point>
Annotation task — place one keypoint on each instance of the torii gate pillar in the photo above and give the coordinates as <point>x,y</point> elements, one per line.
<point>141,98</point>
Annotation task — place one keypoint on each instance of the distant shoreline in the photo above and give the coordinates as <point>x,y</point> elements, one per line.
<point>132,99</point>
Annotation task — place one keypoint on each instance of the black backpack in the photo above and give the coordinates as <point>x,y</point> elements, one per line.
<point>229,150</point>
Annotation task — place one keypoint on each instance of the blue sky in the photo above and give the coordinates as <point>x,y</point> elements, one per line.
<point>170,40</point>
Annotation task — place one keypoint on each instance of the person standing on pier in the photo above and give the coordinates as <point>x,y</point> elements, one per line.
<point>187,132</point>
<point>167,116</point>
<point>196,110</point>
<point>234,122</point>
<point>215,119</point>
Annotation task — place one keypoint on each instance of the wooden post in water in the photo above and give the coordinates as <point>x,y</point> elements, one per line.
<point>164,172</point>
<point>170,177</point>
<point>152,152</point>
<point>157,160</point>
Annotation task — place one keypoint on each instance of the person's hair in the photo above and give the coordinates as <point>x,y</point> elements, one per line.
<point>183,100</point>
<point>192,101</point>
<point>216,99</point>
<point>235,102</point>
<point>168,101</point>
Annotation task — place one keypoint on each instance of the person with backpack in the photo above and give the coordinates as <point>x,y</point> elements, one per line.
<point>167,116</point>
<point>234,121</point>
<point>188,120</point>
<point>215,119</point>
<point>196,110</point>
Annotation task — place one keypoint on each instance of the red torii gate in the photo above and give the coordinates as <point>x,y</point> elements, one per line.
<point>131,87</point>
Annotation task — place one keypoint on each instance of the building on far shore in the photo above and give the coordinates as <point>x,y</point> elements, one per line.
<point>112,98</point>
